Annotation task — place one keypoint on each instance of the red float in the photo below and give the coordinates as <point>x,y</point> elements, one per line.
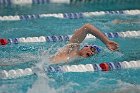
<point>104,66</point>
<point>3,41</point>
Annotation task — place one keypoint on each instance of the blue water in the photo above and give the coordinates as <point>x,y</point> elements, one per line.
<point>35,54</point>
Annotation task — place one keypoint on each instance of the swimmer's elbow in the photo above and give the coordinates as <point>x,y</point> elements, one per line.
<point>88,25</point>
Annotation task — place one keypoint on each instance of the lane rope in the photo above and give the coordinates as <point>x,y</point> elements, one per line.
<point>67,15</point>
<point>25,2</point>
<point>105,66</point>
<point>54,38</point>
<point>4,74</point>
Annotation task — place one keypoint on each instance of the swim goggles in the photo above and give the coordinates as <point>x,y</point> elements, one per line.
<point>94,48</point>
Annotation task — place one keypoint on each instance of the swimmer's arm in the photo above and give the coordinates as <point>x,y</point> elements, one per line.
<point>81,33</point>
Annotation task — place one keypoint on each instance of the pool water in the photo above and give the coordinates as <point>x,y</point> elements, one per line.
<point>36,54</point>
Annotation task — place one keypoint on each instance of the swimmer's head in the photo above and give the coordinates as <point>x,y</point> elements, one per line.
<point>89,50</point>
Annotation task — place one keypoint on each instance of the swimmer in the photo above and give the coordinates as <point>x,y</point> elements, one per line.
<point>117,21</point>
<point>72,50</point>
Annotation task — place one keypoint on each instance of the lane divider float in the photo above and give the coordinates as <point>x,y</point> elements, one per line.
<point>67,15</point>
<point>25,2</point>
<point>105,66</point>
<point>54,38</point>
<point>15,73</point>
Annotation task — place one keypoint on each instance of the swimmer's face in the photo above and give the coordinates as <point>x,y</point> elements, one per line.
<point>87,51</point>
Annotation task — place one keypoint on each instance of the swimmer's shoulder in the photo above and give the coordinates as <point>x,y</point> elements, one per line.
<point>72,45</point>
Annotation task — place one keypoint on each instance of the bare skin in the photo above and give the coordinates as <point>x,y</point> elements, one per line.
<point>72,51</point>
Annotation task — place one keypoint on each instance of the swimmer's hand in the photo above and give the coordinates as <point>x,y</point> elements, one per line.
<point>111,45</point>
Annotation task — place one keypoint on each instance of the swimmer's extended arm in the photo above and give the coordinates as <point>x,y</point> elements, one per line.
<point>81,33</point>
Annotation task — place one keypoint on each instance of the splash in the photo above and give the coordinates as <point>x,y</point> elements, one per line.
<point>127,88</point>
<point>42,84</point>
<point>111,85</point>
<point>16,59</point>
